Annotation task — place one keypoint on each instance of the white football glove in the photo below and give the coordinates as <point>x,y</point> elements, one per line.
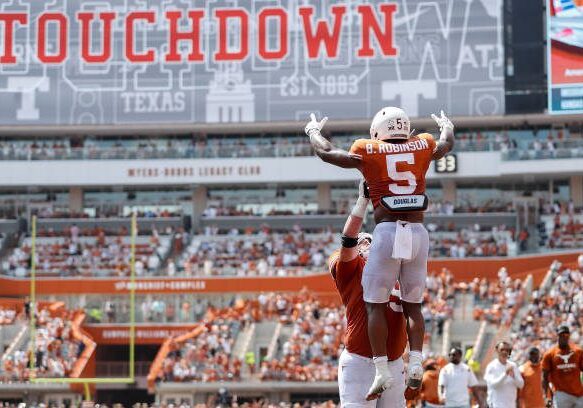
<point>443,122</point>
<point>313,124</point>
<point>383,381</point>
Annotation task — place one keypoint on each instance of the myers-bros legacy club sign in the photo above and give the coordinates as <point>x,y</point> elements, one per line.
<point>130,61</point>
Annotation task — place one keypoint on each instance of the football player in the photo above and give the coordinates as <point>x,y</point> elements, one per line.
<point>394,164</point>
<point>356,369</point>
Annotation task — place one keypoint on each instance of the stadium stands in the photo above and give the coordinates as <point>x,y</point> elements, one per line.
<point>263,254</point>
<point>563,230</point>
<point>150,308</point>
<point>95,255</point>
<point>438,301</point>
<point>559,302</point>
<point>150,213</point>
<point>91,252</point>
<point>471,243</point>
<point>312,350</point>
<point>436,207</point>
<point>498,301</point>
<point>59,346</point>
<point>310,353</point>
<point>212,402</point>
<point>514,145</point>
<point>207,357</point>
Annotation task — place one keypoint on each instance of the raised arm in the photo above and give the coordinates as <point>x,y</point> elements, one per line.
<point>446,140</point>
<point>349,249</point>
<point>326,150</point>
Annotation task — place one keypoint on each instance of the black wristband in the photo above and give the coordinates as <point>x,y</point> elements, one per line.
<point>349,242</point>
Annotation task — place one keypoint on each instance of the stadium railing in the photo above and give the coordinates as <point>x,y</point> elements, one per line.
<point>165,349</point>
<point>108,224</point>
<point>312,222</point>
<point>85,364</point>
<point>567,149</point>
<point>513,144</point>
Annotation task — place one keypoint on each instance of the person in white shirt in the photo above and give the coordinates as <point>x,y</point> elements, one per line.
<point>503,378</point>
<point>454,380</point>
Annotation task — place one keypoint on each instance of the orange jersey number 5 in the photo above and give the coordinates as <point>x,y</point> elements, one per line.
<point>394,169</point>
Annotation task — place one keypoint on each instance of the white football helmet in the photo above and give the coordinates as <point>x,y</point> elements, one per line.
<point>390,123</point>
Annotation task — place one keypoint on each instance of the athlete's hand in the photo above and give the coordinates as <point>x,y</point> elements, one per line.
<point>372,397</point>
<point>443,122</point>
<point>313,124</point>
<point>382,381</point>
<point>363,189</point>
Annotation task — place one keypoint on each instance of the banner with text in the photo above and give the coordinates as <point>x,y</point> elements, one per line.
<point>217,171</point>
<point>565,55</point>
<point>120,334</point>
<point>133,61</point>
<point>462,270</point>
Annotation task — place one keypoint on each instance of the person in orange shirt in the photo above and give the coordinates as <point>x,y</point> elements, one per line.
<point>531,395</point>
<point>356,369</point>
<point>562,367</point>
<point>394,164</point>
<point>429,385</point>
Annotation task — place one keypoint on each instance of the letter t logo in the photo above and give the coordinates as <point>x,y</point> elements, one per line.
<point>27,87</point>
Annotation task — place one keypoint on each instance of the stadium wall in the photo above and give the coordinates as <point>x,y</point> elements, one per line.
<point>462,270</point>
<point>246,170</point>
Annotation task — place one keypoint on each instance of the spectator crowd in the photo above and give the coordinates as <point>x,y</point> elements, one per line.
<point>207,357</point>
<point>213,402</point>
<point>263,254</point>
<point>76,254</point>
<point>497,301</point>
<point>309,354</point>
<point>470,242</point>
<point>56,350</point>
<point>566,232</point>
<point>438,302</point>
<point>541,144</point>
<point>559,303</point>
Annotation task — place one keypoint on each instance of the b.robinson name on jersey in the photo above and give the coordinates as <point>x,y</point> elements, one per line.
<point>384,148</point>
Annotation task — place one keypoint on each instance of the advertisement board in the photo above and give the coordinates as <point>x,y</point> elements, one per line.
<point>195,61</point>
<point>462,270</point>
<point>226,172</point>
<point>565,55</point>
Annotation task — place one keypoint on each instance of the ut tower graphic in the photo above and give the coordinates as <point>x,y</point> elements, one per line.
<point>230,97</point>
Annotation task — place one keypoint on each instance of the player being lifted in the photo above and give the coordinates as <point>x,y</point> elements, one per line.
<point>394,164</point>
<point>355,367</point>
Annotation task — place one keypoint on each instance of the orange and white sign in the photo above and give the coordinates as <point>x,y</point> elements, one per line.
<point>120,334</point>
<point>463,270</point>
